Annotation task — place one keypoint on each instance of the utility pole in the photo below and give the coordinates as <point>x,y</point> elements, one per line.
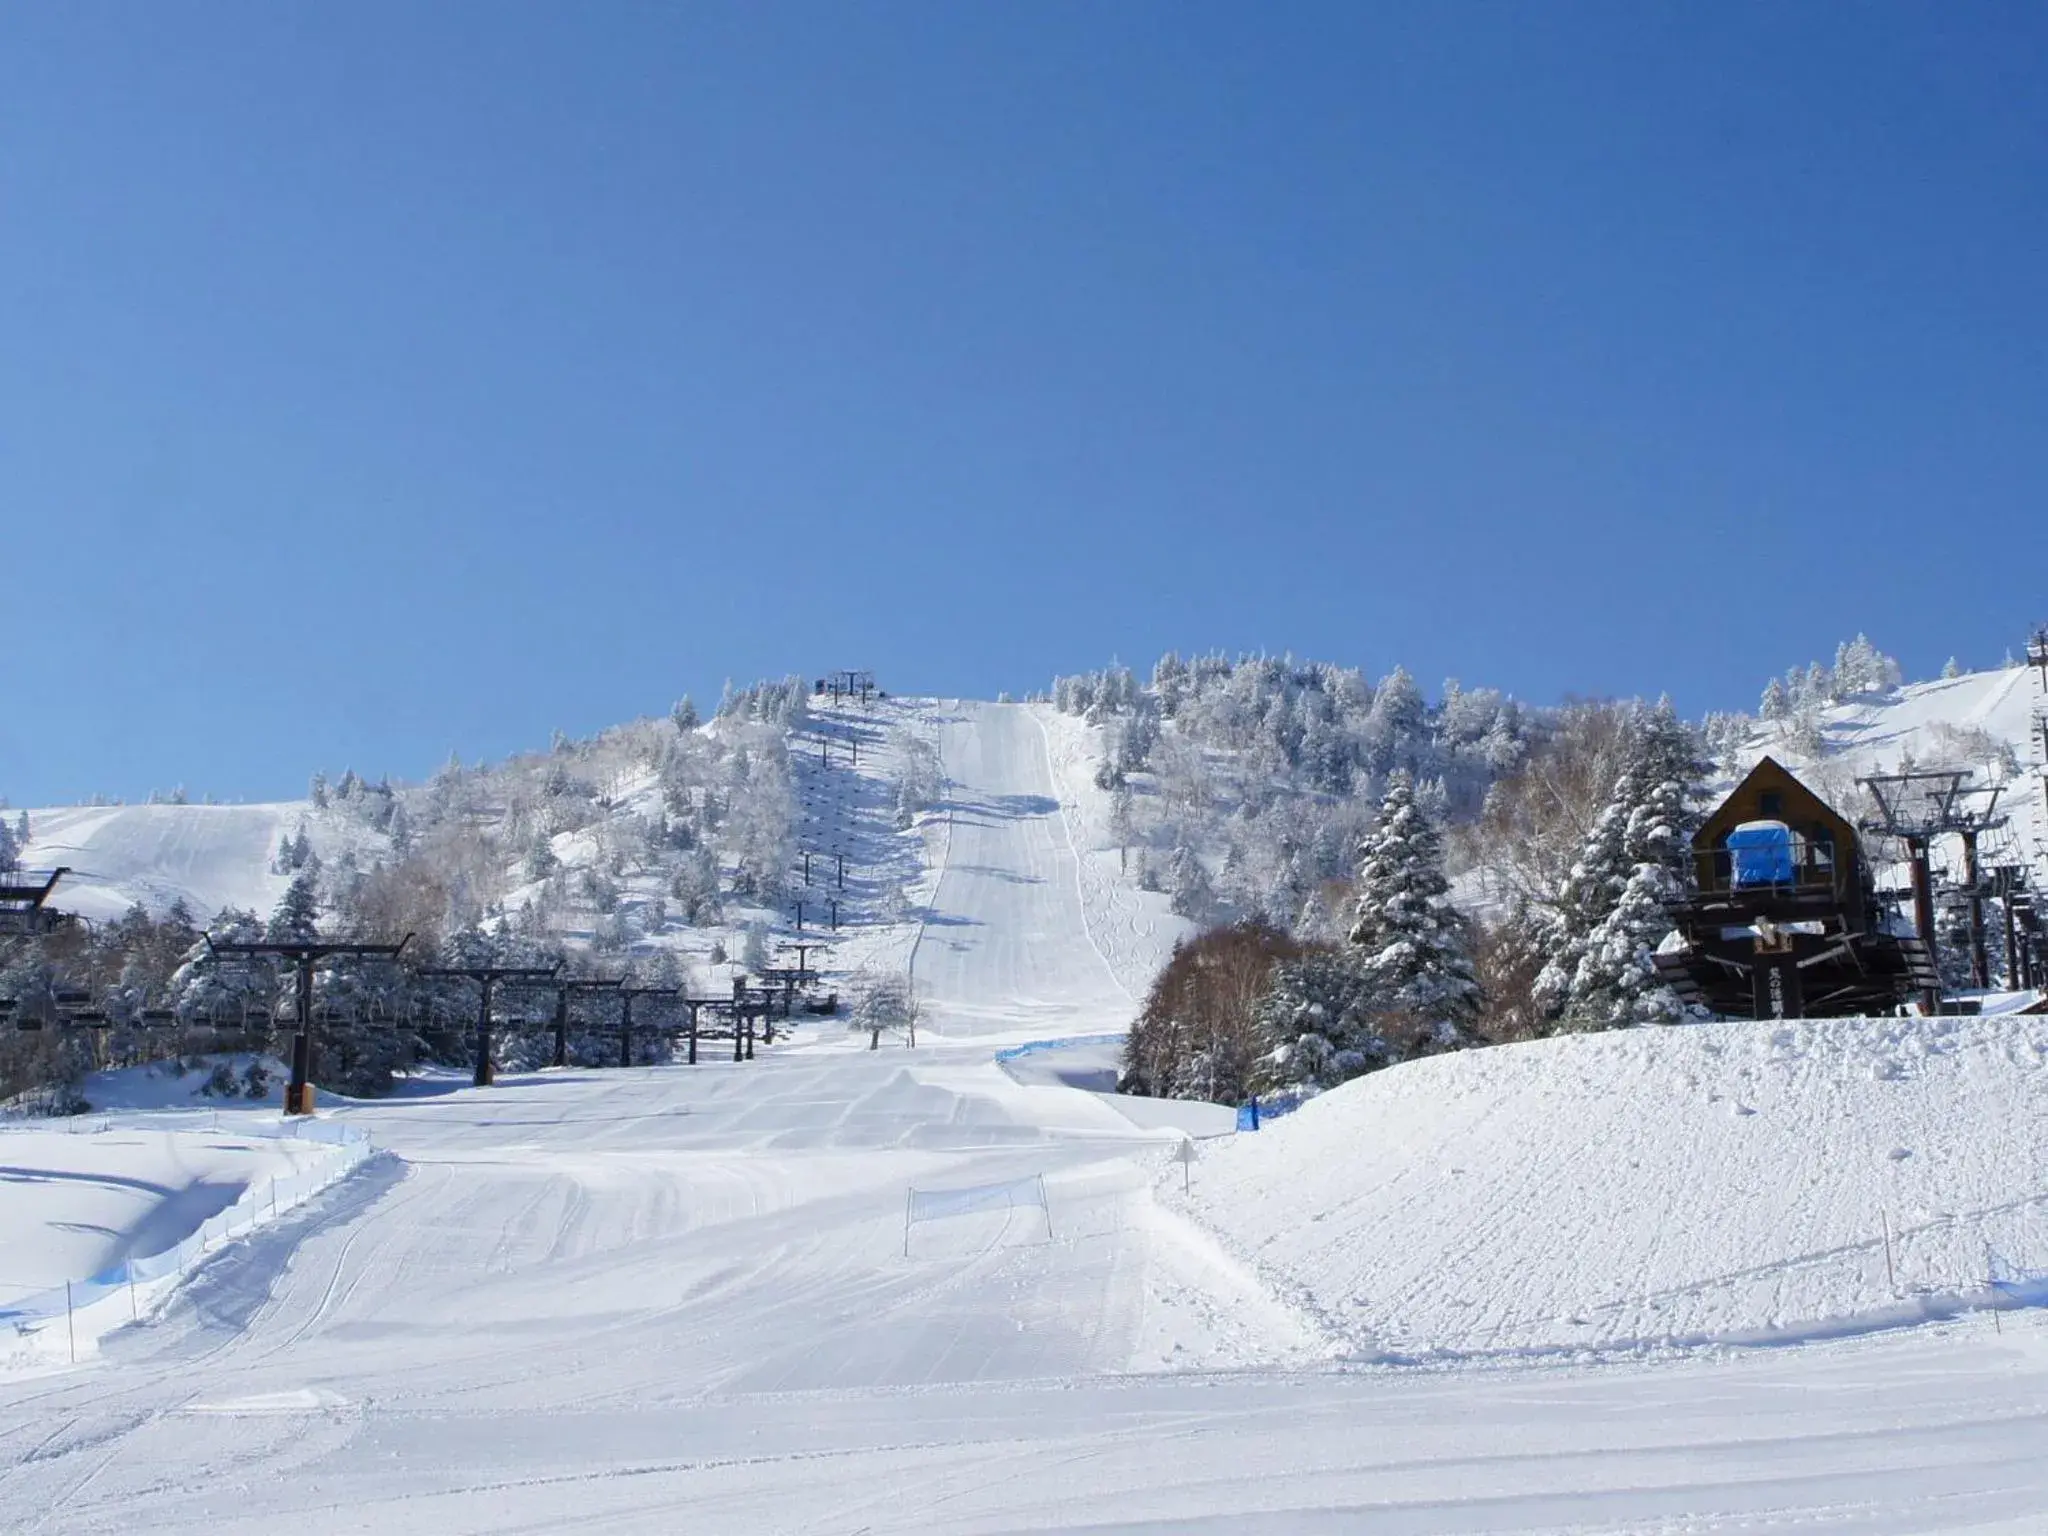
<point>298,1093</point>
<point>487,977</point>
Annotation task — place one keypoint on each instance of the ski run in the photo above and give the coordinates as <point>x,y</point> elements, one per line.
<point>1723,1277</point>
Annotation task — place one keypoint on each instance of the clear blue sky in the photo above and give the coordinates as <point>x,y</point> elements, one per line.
<point>379,379</point>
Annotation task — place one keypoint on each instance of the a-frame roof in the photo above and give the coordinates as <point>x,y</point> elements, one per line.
<point>1798,806</point>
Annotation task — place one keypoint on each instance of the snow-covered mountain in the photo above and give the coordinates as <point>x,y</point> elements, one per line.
<point>652,839</point>
<point>599,837</point>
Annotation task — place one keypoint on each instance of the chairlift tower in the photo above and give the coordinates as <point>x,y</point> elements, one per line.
<point>298,1094</point>
<point>626,995</point>
<point>1915,808</point>
<point>1972,822</point>
<point>849,682</point>
<point>487,977</point>
<point>563,988</point>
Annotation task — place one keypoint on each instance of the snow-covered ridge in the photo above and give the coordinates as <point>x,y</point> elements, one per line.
<point>111,1211</point>
<point>1724,1182</point>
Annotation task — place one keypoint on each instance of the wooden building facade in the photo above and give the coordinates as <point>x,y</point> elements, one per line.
<point>1800,933</point>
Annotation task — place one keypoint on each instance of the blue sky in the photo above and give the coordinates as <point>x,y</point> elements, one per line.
<point>385,379</point>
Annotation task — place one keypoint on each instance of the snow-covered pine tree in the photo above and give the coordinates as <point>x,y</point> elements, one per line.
<point>1590,890</point>
<point>1187,883</point>
<point>1616,983</point>
<point>1396,724</point>
<point>1649,818</point>
<point>10,852</point>
<point>1671,777</point>
<point>1861,667</point>
<point>1170,681</point>
<point>1122,824</point>
<point>1776,702</point>
<point>1411,941</point>
<point>237,996</point>
<point>754,947</point>
<point>1317,1021</point>
<point>297,918</point>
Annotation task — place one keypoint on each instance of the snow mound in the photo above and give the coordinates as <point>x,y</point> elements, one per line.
<point>1716,1183</point>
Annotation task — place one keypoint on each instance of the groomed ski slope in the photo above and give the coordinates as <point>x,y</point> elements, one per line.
<point>673,1299</point>
<point>209,856</point>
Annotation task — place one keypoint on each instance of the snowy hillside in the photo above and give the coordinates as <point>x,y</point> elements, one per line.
<point>647,841</point>
<point>1980,721</point>
<point>208,856</point>
<point>1658,1186</point>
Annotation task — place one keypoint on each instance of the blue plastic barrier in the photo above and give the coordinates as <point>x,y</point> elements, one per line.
<point>1031,1046</point>
<point>1252,1113</point>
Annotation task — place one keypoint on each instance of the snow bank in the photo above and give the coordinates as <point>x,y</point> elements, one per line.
<point>106,1214</point>
<point>1725,1182</point>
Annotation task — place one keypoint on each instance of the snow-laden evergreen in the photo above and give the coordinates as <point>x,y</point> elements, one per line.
<point>1410,939</point>
<point>1319,1019</point>
<point>1611,913</point>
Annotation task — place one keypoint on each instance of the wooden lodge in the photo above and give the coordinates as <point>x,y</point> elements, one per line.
<point>1785,921</point>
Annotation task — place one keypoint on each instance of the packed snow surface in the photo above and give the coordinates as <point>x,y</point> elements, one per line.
<point>1718,1182</point>
<point>674,1299</point>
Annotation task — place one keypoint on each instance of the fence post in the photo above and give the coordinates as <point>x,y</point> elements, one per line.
<point>1891,1275</point>
<point>70,1328</point>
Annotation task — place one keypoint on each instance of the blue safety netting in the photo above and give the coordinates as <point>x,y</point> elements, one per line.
<point>1251,1113</point>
